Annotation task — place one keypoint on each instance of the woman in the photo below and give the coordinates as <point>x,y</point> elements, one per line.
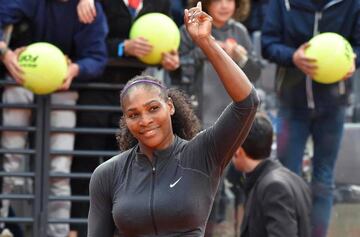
<point>121,49</point>
<point>165,185</point>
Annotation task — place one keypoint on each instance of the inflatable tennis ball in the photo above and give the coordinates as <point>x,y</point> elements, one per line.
<point>334,56</point>
<point>161,32</point>
<point>44,67</point>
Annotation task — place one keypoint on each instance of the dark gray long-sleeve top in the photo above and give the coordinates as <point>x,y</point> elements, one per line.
<point>172,195</point>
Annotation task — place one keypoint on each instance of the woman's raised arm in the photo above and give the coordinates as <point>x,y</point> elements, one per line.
<point>199,24</point>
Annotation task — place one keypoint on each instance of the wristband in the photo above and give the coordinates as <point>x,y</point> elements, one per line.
<point>121,49</point>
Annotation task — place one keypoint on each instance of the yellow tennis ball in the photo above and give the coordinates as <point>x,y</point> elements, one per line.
<point>334,56</point>
<point>44,67</point>
<point>161,32</point>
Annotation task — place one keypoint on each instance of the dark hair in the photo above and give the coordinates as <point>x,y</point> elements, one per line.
<point>257,144</point>
<point>185,123</point>
<point>242,7</point>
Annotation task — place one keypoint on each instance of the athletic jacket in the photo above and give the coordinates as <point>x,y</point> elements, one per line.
<point>173,195</point>
<point>290,23</point>
<point>56,22</point>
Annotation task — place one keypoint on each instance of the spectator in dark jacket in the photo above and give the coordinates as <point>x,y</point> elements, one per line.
<point>55,22</point>
<point>278,201</point>
<point>308,108</point>
<point>256,16</point>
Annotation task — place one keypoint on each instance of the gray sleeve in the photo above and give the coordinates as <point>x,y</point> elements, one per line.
<point>214,147</point>
<point>232,127</point>
<point>100,220</point>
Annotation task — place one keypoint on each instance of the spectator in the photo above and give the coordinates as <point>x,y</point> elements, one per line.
<point>55,22</point>
<point>253,22</point>
<point>177,11</point>
<point>278,201</point>
<point>308,108</point>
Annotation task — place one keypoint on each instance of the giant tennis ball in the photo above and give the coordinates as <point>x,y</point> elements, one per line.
<point>334,56</point>
<point>44,67</point>
<point>161,32</point>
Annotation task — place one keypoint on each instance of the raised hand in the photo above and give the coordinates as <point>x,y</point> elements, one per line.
<point>198,23</point>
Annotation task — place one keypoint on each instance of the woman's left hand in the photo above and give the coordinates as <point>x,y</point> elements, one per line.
<point>170,61</point>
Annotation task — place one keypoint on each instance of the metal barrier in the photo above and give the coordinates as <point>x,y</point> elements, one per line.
<point>39,152</point>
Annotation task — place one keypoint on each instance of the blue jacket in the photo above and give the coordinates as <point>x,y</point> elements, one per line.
<point>57,22</point>
<point>290,23</point>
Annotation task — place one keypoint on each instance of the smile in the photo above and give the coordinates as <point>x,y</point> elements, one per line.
<point>148,132</point>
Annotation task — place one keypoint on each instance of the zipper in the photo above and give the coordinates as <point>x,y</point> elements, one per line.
<point>280,79</point>
<point>152,197</point>
<point>309,89</point>
<point>287,5</point>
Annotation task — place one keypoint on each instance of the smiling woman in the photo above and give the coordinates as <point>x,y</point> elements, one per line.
<point>152,114</point>
<point>164,181</point>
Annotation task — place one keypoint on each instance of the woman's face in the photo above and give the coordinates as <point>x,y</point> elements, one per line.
<point>148,117</point>
<point>221,11</point>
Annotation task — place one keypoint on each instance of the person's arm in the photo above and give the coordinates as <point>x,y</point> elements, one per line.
<point>236,83</point>
<point>12,12</point>
<point>91,53</point>
<point>273,47</point>
<point>100,220</point>
<point>10,60</point>
<point>218,143</point>
<point>279,209</point>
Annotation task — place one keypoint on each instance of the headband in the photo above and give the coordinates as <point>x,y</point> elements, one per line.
<point>128,86</point>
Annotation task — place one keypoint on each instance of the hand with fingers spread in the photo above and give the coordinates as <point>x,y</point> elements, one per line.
<point>86,11</point>
<point>198,23</point>
<point>170,61</point>
<point>137,47</point>
<point>305,64</point>
<point>10,61</point>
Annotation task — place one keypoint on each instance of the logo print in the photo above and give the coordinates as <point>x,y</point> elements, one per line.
<point>173,184</point>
